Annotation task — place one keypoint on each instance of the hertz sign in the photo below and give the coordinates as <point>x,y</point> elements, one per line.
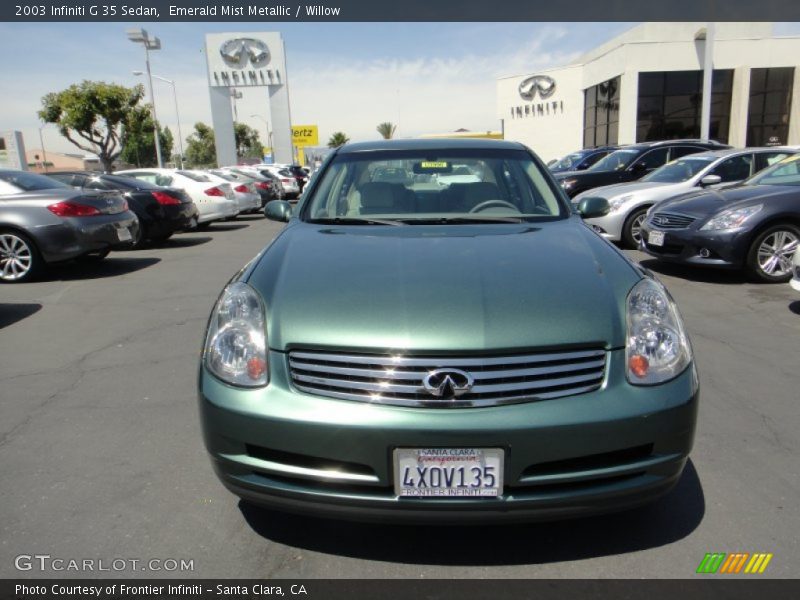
<point>305,135</point>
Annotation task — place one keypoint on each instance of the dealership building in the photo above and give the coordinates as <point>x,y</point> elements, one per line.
<point>647,83</point>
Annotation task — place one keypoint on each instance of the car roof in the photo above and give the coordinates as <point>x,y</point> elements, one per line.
<point>430,144</point>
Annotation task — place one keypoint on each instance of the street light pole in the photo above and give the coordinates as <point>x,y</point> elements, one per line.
<point>269,131</point>
<point>177,113</point>
<point>139,36</point>
<point>44,153</point>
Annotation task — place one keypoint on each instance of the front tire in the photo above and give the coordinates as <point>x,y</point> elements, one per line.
<point>770,256</point>
<point>632,229</point>
<point>20,261</point>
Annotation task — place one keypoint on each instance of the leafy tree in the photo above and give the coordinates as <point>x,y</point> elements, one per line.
<point>91,115</point>
<point>338,139</point>
<point>138,144</point>
<point>200,149</point>
<point>386,130</point>
<point>247,143</point>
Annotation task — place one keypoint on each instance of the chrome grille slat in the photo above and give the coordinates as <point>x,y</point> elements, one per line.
<point>478,375</point>
<point>664,220</point>
<point>436,362</point>
<point>398,380</point>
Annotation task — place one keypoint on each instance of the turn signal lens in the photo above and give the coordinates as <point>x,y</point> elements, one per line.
<point>638,365</point>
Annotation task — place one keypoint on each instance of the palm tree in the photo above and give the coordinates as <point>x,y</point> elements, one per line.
<point>386,130</point>
<point>338,139</point>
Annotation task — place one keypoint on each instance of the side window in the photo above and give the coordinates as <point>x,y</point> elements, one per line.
<point>144,176</point>
<point>651,160</point>
<point>679,151</point>
<point>66,178</point>
<point>591,159</point>
<point>765,159</point>
<point>735,168</point>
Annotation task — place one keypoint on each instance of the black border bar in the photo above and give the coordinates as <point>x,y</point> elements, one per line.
<point>708,587</point>
<point>267,11</point>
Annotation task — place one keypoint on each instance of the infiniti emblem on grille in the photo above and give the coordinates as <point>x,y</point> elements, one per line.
<point>660,220</point>
<point>448,383</point>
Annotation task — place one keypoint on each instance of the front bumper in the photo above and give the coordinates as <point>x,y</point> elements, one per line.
<point>611,449</point>
<point>609,226</point>
<point>725,249</point>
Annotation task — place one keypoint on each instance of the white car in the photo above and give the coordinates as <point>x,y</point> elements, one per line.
<point>247,199</point>
<point>286,178</point>
<point>215,201</point>
<point>795,281</point>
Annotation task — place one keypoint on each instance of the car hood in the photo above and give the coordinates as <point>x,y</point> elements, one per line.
<point>709,202</point>
<point>443,287</point>
<point>648,188</point>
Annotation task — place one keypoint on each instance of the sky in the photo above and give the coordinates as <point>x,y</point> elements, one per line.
<point>425,77</point>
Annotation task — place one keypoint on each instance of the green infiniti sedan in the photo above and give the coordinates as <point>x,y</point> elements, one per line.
<point>434,336</point>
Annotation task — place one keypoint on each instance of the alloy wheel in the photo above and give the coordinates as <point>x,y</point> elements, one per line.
<point>775,253</point>
<point>636,228</point>
<point>16,257</point>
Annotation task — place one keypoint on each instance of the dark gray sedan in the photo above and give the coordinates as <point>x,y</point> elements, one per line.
<point>44,221</point>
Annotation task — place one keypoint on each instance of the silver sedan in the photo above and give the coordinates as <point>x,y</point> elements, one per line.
<point>629,202</point>
<point>45,221</point>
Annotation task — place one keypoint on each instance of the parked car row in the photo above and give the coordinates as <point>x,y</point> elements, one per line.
<point>82,215</point>
<point>698,203</point>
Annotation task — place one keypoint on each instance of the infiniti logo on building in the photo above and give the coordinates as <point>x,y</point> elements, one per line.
<point>238,52</point>
<point>542,84</point>
<point>448,383</point>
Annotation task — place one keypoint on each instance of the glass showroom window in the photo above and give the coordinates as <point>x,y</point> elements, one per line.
<point>669,105</point>
<point>768,112</point>
<point>601,114</point>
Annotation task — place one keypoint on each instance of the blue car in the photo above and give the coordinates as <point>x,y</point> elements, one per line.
<point>581,160</point>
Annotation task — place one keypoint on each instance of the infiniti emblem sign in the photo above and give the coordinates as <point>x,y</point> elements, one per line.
<point>542,84</point>
<point>448,383</point>
<point>658,220</point>
<point>238,52</point>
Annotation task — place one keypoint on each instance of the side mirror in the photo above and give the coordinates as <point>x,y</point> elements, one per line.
<point>278,210</point>
<point>710,180</point>
<point>593,207</point>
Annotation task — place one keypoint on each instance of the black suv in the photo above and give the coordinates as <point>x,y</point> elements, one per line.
<point>630,163</point>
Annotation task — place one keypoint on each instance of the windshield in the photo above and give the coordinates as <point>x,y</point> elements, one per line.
<point>616,161</point>
<point>428,185</point>
<point>786,172</point>
<point>30,182</point>
<point>679,170</point>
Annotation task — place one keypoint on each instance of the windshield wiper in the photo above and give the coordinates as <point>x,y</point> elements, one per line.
<point>355,221</point>
<point>466,219</point>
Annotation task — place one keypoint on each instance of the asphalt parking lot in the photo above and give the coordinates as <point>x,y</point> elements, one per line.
<point>101,455</point>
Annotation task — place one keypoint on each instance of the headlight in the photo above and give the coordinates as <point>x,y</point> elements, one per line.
<point>657,348</point>
<point>615,203</point>
<point>236,345</point>
<point>731,219</point>
<point>568,183</point>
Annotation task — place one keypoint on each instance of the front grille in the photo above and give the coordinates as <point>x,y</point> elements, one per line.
<point>398,380</point>
<point>671,221</point>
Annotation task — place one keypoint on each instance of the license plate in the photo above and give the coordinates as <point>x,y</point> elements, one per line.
<point>448,472</point>
<point>655,238</point>
<point>124,234</point>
